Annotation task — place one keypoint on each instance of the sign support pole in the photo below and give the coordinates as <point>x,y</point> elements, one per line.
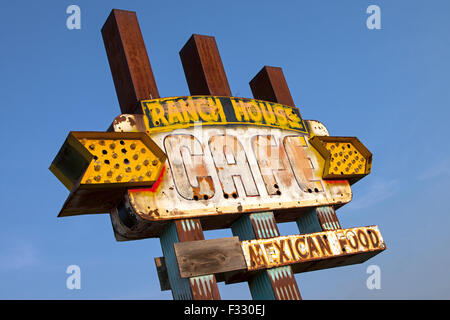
<point>276,283</point>
<point>134,81</point>
<point>128,60</point>
<point>123,172</point>
<point>206,76</point>
<point>194,288</point>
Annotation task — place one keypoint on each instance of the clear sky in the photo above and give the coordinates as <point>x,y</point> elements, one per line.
<point>388,87</point>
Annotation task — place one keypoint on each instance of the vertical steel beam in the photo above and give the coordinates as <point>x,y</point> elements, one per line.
<point>195,288</point>
<point>203,67</point>
<point>128,60</point>
<point>271,284</point>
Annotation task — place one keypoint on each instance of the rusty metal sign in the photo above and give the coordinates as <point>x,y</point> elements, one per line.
<point>287,250</point>
<point>182,112</point>
<point>220,169</point>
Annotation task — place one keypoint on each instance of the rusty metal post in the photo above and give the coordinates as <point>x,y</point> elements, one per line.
<point>205,75</point>
<point>159,205</point>
<point>128,60</point>
<point>270,284</point>
<point>270,85</point>
<point>203,67</point>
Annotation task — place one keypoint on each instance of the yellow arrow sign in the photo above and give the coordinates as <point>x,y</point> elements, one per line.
<point>345,157</point>
<point>102,161</point>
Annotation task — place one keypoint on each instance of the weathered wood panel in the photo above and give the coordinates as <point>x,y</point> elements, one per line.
<point>196,258</point>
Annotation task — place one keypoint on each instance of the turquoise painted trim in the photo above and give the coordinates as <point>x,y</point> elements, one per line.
<point>309,222</point>
<point>261,287</point>
<point>181,289</point>
<point>243,228</point>
<point>203,284</point>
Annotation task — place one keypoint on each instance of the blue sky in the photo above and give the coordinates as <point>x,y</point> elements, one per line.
<point>388,87</point>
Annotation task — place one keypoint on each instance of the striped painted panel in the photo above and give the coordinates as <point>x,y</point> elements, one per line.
<point>189,230</point>
<point>328,218</point>
<point>204,287</point>
<point>264,225</point>
<point>284,284</point>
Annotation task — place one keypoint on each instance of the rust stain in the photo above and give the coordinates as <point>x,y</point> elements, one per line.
<point>208,181</point>
<point>120,119</point>
<point>131,121</point>
<point>154,212</point>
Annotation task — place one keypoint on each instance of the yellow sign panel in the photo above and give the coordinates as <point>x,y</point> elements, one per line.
<point>104,158</point>
<point>168,114</point>
<point>345,157</point>
<point>98,167</point>
<point>275,252</point>
<point>124,160</point>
